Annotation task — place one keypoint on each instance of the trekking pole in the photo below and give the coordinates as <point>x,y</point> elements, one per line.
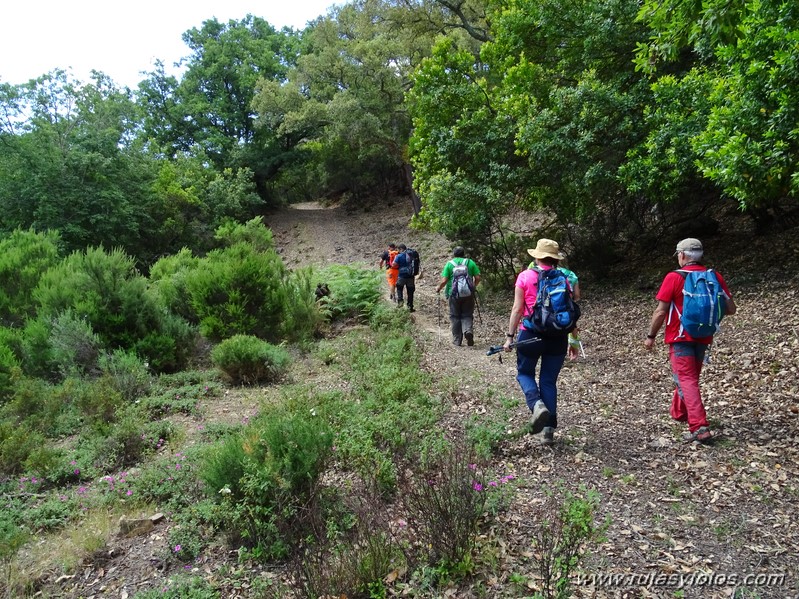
<point>477,305</point>
<point>495,349</point>
<point>438,295</point>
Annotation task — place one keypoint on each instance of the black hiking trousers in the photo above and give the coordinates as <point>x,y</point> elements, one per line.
<point>404,283</point>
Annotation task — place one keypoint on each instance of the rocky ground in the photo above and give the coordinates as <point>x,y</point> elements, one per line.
<point>728,510</point>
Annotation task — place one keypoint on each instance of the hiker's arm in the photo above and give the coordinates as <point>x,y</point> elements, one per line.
<point>476,280</point>
<point>515,316</point>
<point>658,316</point>
<point>576,292</point>
<point>441,284</point>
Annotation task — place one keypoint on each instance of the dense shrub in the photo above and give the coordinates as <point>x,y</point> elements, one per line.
<point>17,443</point>
<point>168,282</point>
<point>24,256</point>
<point>247,360</point>
<point>127,374</point>
<point>47,408</point>
<point>37,352</point>
<point>252,233</point>
<point>9,372</point>
<point>104,289</point>
<point>238,291</point>
<point>267,479</point>
<point>97,400</point>
<point>224,467</point>
<point>75,347</point>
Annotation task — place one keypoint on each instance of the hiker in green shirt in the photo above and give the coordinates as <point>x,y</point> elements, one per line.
<point>460,277</point>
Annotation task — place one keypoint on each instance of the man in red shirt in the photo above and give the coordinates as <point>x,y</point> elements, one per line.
<point>686,353</point>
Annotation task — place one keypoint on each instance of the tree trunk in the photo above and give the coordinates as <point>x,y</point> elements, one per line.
<point>416,201</point>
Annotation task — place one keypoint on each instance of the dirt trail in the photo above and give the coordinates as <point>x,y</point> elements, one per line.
<point>728,509</point>
<point>309,234</point>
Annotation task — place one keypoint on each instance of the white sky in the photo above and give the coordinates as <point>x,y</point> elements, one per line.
<point>121,39</point>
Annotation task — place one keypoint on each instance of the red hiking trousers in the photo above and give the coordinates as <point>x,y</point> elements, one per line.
<point>686,365</point>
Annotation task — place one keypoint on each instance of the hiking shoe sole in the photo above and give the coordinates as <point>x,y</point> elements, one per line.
<point>540,416</point>
<point>548,436</point>
<point>469,339</point>
<point>701,435</point>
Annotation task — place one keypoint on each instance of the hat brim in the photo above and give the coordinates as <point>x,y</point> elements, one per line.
<point>540,255</point>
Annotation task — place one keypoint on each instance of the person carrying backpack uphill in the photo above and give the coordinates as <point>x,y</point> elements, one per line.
<point>386,261</point>
<point>575,345</point>
<point>691,300</point>
<point>408,267</point>
<point>544,313</point>
<point>460,276</point>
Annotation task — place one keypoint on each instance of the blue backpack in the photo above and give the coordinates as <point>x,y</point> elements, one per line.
<point>409,265</point>
<point>555,312</point>
<point>703,303</point>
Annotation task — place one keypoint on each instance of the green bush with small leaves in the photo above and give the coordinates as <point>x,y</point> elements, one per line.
<point>127,373</point>
<point>248,360</point>
<point>238,290</point>
<point>168,282</point>
<point>75,346</point>
<point>266,479</point>
<point>9,372</point>
<point>17,443</point>
<point>105,290</point>
<point>24,257</point>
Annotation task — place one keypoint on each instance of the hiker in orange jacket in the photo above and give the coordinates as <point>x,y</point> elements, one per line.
<point>392,272</point>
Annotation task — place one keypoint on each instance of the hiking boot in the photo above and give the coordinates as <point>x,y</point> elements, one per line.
<point>548,436</point>
<point>411,309</point>
<point>469,339</point>
<point>540,416</point>
<point>702,435</point>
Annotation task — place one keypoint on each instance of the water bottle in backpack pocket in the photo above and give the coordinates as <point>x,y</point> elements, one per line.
<point>555,312</point>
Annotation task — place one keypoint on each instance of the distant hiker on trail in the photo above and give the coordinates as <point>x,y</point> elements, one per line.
<point>460,276</point>
<point>545,345</point>
<point>692,300</point>
<point>408,265</point>
<point>386,260</point>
